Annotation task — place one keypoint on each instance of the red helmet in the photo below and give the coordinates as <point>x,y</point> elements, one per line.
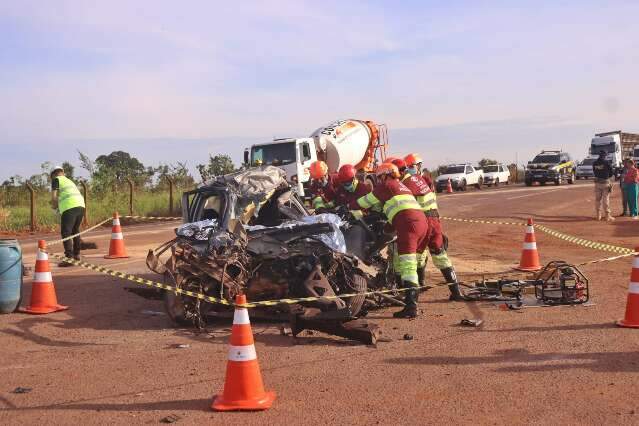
<point>412,159</point>
<point>387,169</point>
<point>346,173</point>
<point>401,164</point>
<point>318,170</point>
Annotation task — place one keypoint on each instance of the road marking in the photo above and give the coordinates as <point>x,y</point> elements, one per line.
<point>540,189</point>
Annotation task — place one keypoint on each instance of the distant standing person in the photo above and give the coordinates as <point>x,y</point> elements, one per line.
<point>630,186</point>
<point>67,199</point>
<point>624,200</point>
<point>603,186</point>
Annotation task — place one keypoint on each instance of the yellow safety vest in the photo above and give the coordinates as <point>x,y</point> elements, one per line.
<point>392,206</point>
<point>69,196</point>
<point>426,202</point>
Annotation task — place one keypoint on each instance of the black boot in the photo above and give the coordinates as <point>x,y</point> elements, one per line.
<point>410,310</point>
<point>451,277</point>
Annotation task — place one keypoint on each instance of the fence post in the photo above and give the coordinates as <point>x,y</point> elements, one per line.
<point>32,207</point>
<point>130,182</point>
<point>170,195</point>
<point>85,194</point>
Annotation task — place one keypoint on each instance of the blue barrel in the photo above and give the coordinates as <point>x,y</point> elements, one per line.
<point>10,275</point>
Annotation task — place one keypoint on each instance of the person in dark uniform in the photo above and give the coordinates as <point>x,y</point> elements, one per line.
<point>67,199</point>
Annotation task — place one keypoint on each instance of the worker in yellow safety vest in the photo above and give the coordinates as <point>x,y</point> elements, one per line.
<point>67,199</point>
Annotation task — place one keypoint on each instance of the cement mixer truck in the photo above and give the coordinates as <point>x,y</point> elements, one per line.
<point>357,142</point>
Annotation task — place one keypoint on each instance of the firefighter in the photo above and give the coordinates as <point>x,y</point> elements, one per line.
<point>349,189</point>
<point>414,167</point>
<point>436,241</point>
<point>404,213</point>
<point>322,186</point>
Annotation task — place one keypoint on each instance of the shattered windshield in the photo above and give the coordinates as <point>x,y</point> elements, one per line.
<point>277,154</point>
<point>546,158</point>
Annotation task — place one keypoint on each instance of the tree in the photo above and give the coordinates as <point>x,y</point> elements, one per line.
<point>115,168</point>
<point>69,169</point>
<point>86,163</point>
<point>219,165</point>
<point>178,173</point>
<point>485,162</point>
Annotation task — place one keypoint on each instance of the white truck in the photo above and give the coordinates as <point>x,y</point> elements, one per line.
<point>494,174</point>
<point>460,175</point>
<point>358,142</point>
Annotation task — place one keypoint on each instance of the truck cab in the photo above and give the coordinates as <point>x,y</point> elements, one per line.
<point>611,144</point>
<point>294,156</point>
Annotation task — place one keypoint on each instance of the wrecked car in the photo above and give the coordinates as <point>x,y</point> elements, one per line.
<point>249,232</point>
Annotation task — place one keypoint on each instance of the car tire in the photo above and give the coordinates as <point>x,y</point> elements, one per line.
<point>462,185</point>
<point>480,181</point>
<point>528,183</point>
<point>571,179</point>
<point>174,307</point>
<point>360,285</point>
<point>496,184</point>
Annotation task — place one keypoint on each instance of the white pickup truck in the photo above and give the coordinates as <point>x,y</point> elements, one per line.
<point>494,174</point>
<point>460,175</point>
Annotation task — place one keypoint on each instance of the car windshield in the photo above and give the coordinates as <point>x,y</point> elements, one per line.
<point>588,161</point>
<point>491,168</point>
<point>277,154</point>
<point>546,158</point>
<point>450,170</point>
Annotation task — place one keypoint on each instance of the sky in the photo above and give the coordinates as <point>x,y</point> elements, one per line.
<point>176,81</point>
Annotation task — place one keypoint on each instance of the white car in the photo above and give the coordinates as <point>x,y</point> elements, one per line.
<point>460,175</point>
<point>494,174</point>
<point>584,169</point>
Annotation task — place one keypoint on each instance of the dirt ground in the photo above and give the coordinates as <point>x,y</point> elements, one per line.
<point>112,357</point>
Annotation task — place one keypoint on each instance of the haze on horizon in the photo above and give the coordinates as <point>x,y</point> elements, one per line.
<point>171,81</point>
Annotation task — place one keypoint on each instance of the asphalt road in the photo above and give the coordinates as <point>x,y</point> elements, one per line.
<point>112,357</point>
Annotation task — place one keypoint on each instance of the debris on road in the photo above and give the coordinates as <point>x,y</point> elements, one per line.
<point>408,336</point>
<point>170,418</point>
<point>471,322</point>
<point>181,346</point>
<point>21,390</point>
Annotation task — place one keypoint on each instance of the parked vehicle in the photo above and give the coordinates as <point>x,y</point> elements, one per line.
<point>584,168</point>
<point>460,175</point>
<point>360,143</point>
<point>624,140</point>
<point>494,174</point>
<point>550,166</point>
<point>635,153</point>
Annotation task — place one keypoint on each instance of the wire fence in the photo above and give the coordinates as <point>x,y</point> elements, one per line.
<point>24,208</point>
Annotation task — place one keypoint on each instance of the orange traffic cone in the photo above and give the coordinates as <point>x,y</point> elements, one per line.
<point>243,387</point>
<point>529,255</point>
<point>449,187</point>
<point>43,298</point>
<point>632,305</point>
<point>116,246</point>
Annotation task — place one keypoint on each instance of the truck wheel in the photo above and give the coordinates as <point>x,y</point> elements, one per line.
<point>479,182</point>
<point>571,179</point>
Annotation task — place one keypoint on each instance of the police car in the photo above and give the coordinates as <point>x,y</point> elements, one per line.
<point>550,166</point>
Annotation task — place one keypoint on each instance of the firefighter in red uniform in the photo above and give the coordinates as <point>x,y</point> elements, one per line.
<point>414,167</point>
<point>404,213</point>
<point>349,189</point>
<point>322,187</point>
<point>436,243</point>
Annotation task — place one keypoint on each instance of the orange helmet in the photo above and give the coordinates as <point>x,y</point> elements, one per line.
<point>412,159</point>
<point>387,169</point>
<point>401,164</point>
<point>318,169</point>
<point>346,173</point>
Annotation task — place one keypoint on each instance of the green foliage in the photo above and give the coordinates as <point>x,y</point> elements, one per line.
<point>485,162</point>
<point>219,165</point>
<point>178,173</point>
<point>114,169</point>
<point>69,169</point>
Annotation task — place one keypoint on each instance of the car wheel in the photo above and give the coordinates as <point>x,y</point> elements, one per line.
<point>462,185</point>
<point>479,182</point>
<point>496,184</point>
<point>360,285</point>
<point>174,306</point>
<point>571,179</point>
<point>528,183</point>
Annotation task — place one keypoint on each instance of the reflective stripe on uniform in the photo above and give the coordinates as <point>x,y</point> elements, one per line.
<point>242,353</point>
<point>318,202</point>
<point>408,268</point>
<point>357,214</point>
<point>441,260</point>
<point>398,203</point>
<point>427,202</point>
<point>367,201</point>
